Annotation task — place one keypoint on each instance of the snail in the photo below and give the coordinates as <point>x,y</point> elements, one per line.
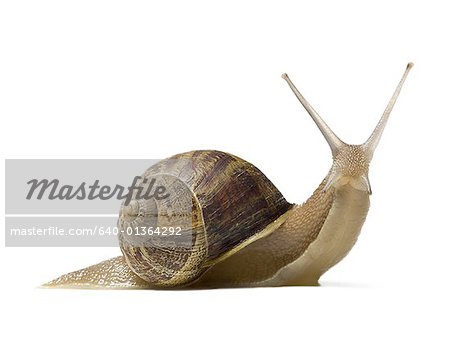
<point>233,227</point>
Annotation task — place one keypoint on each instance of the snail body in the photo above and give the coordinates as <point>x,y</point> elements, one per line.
<point>235,228</point>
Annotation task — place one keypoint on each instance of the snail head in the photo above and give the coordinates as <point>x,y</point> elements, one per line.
<point>350,162</point>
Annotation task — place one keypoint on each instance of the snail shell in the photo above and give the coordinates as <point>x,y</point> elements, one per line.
<point>216,200</point>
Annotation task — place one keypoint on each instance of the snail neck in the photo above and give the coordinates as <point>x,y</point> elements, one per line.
<point>340,230</point>
<point>335,239</point>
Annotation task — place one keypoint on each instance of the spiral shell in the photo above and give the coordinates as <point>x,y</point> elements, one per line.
<point>214,202</point>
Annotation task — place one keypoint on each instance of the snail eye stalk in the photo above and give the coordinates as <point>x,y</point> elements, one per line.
<point>371,144</point>
<point>332,139</point>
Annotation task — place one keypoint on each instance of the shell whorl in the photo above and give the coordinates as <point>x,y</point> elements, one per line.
<point>218,200</point>
<point>164,258</point>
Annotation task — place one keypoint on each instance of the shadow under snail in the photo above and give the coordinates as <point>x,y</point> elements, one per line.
<point>235,227</point>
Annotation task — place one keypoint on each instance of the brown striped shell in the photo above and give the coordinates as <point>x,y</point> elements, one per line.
<point>214,202</point>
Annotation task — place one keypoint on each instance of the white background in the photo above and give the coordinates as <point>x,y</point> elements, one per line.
<point>140,79</point>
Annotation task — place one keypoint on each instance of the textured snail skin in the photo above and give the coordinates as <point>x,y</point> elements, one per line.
<point>112,273</point>
<point>244,233</point>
